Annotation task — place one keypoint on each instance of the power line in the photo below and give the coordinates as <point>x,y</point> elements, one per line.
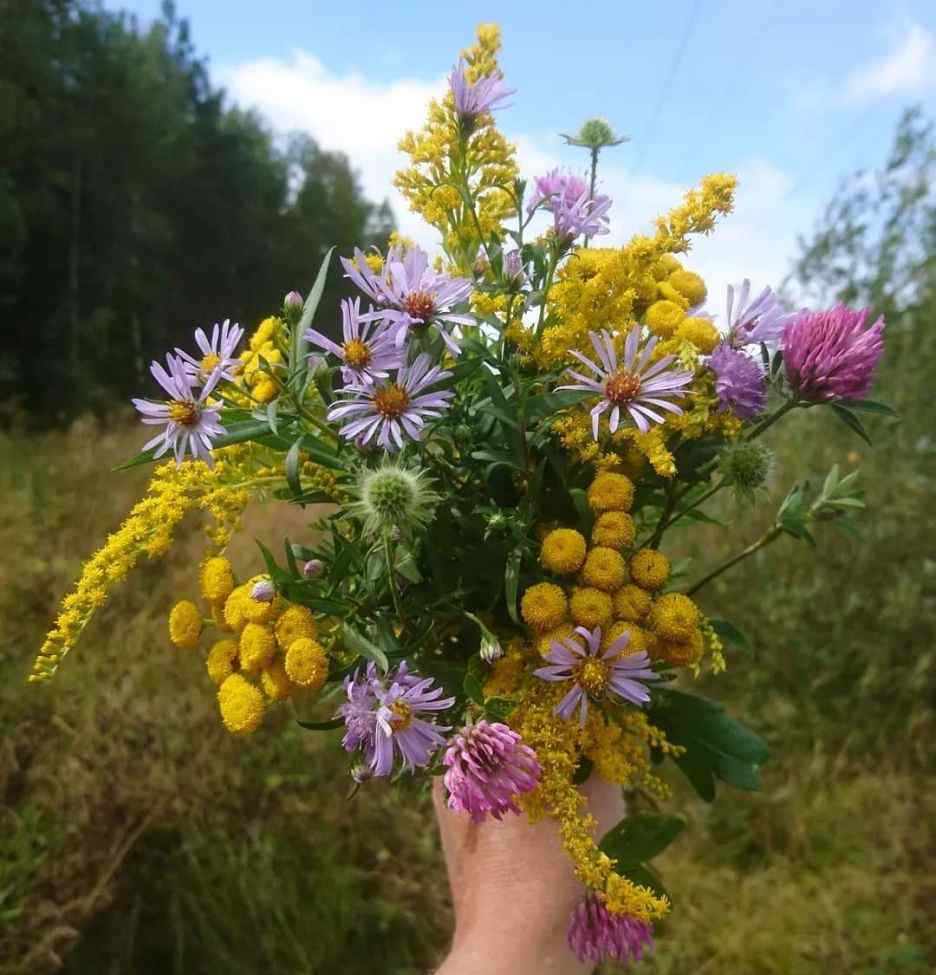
<point>668,80</point>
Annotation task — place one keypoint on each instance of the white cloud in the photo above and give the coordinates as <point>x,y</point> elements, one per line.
<point>908,68</point>
<point>365,119</point>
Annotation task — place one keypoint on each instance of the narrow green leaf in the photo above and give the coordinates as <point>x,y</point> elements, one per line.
<point>869,406</point>
<point>851,421</point>
<point>322,725</point>
<point>728,631</point>
<point>300,346</point>
<point>473,689</point>
<point>361,645</point>
<point>292,467</point>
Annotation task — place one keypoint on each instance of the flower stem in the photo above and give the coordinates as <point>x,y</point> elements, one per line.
<point>388,555</point>
<point>594,176</point>
<point>772,419</point>
<point>770,535</point>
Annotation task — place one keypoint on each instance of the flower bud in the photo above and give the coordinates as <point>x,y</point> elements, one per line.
<point>263,591</point>
<point>292,307</point>
<point>491,650</point>
<point>313,568</point>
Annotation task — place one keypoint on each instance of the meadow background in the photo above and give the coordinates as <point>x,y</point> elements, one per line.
<point>137,837</point>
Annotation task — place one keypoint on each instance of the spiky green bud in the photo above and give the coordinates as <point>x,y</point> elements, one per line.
<point>746,466</point>
<point>394,498</point>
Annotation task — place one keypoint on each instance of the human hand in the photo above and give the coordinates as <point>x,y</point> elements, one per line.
<point>513,888</point>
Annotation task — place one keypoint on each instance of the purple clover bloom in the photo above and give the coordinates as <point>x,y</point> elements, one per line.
<point>596,935</point>
<point>574,210</point>
<point>831,355</point>
<point>217,353</point>
<point>594,673</point>
<point>634,384</point>
<point>739,381</point>
<point>408,293</point>
<point>488,767</point>
<point>474,99</point>
<point>762,319</point>
<point>368,351</point>
<point>190,424</point>
<point>392,408</point>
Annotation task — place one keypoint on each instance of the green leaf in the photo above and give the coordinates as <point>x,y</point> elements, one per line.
<point>271,415</point>
<point>321,453</point>
<point>300,347</point>
<point>546,404</point>
<point>236,433</point>
<point>361,645</point>
<point>869,406</point>
<point>640,837</point>
<point>473,689</point>
<point>292,467</point>
<point>582,771</point>
<point>512,583</point>
<point>851,421</point>
<point>583,509</point>
<point>729,632</point>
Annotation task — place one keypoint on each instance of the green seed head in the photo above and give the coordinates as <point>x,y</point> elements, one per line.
<point>746,466</point>
<point>393,497</point>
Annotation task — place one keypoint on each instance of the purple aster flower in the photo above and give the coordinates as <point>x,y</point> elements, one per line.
<point>488,767</point>
<point>594,673</point>
<point>574,210</point>
<point>633,384</point>
<point>190,424</point>
<point>392,408</point>
<point>217,354</point>
<point>831,355</point>
<point>596,935</point>
<point>410,294</point>
<point>762,319</point>
<point>739,381</point>
<point>472,100</point>
<point>368,351</point>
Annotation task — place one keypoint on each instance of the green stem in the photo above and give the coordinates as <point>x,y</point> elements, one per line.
<point>388,555</point>
<point>772,419</point>
<point>553,261</point>
<point>594,176</point>
<point>763,541</point>
<point>667,522</point>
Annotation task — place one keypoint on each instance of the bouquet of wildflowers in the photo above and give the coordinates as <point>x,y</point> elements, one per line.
<point>496,443</point>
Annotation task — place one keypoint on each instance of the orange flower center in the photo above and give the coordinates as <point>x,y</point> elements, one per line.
<point>357,354</point>
<point>622,385</point>
<point>391,400</point>
<point>592,675</point>
<point>402,716</point>
<point>184,413</point>
<point>421,305</point>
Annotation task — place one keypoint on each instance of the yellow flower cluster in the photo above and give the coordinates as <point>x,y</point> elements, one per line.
<point>263,637</point>
<point>442,155</point>
<point>258,382</point>
<point>149,529</point>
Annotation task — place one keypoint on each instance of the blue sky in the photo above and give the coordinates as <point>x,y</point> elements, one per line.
<point>791,96</point>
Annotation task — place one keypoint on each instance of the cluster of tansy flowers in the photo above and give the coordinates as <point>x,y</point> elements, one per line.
<point>628,330</point>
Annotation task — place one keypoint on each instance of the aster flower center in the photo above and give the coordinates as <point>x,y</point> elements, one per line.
<point>208,363</point>
<point>357,354</point>
<point>622,385</point>
<point>592,675</point>
<point>402,716</point>
<point>391,400</point>
<point>421,305</point>
<point>184,412</point>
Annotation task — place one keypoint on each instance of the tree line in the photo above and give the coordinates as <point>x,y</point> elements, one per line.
<point>136,203</point>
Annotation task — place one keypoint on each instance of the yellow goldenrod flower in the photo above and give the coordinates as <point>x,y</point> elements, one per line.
<point>649,568</point>
<point>265,390</point>
<point>257,646</point>
<point>664,317</point>
<point>220,660</point>
<point>611,492</point>
<point>241,705</point>
<point>613,529</point>
<point>217,579</point>
<point>296,622</point>
<point>507,673</point>
<point>679,653</point>
<point>563,551</point>
<point>265,332</point>
<point>631,603</point>
<point>590,607</point>
<point>275,681</point>
<point>674,616</point>
<point>544,606</point>
<point>690,285</point>
<point>185,625</point>
<point>306,663</point>
<point>604,569</point>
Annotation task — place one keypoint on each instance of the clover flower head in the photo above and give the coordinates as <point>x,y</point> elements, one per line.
<point>596,935</point>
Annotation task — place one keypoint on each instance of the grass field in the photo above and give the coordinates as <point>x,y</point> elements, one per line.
<point>137,837</point>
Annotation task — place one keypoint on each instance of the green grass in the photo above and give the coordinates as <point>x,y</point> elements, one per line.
<point>138,837</point>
